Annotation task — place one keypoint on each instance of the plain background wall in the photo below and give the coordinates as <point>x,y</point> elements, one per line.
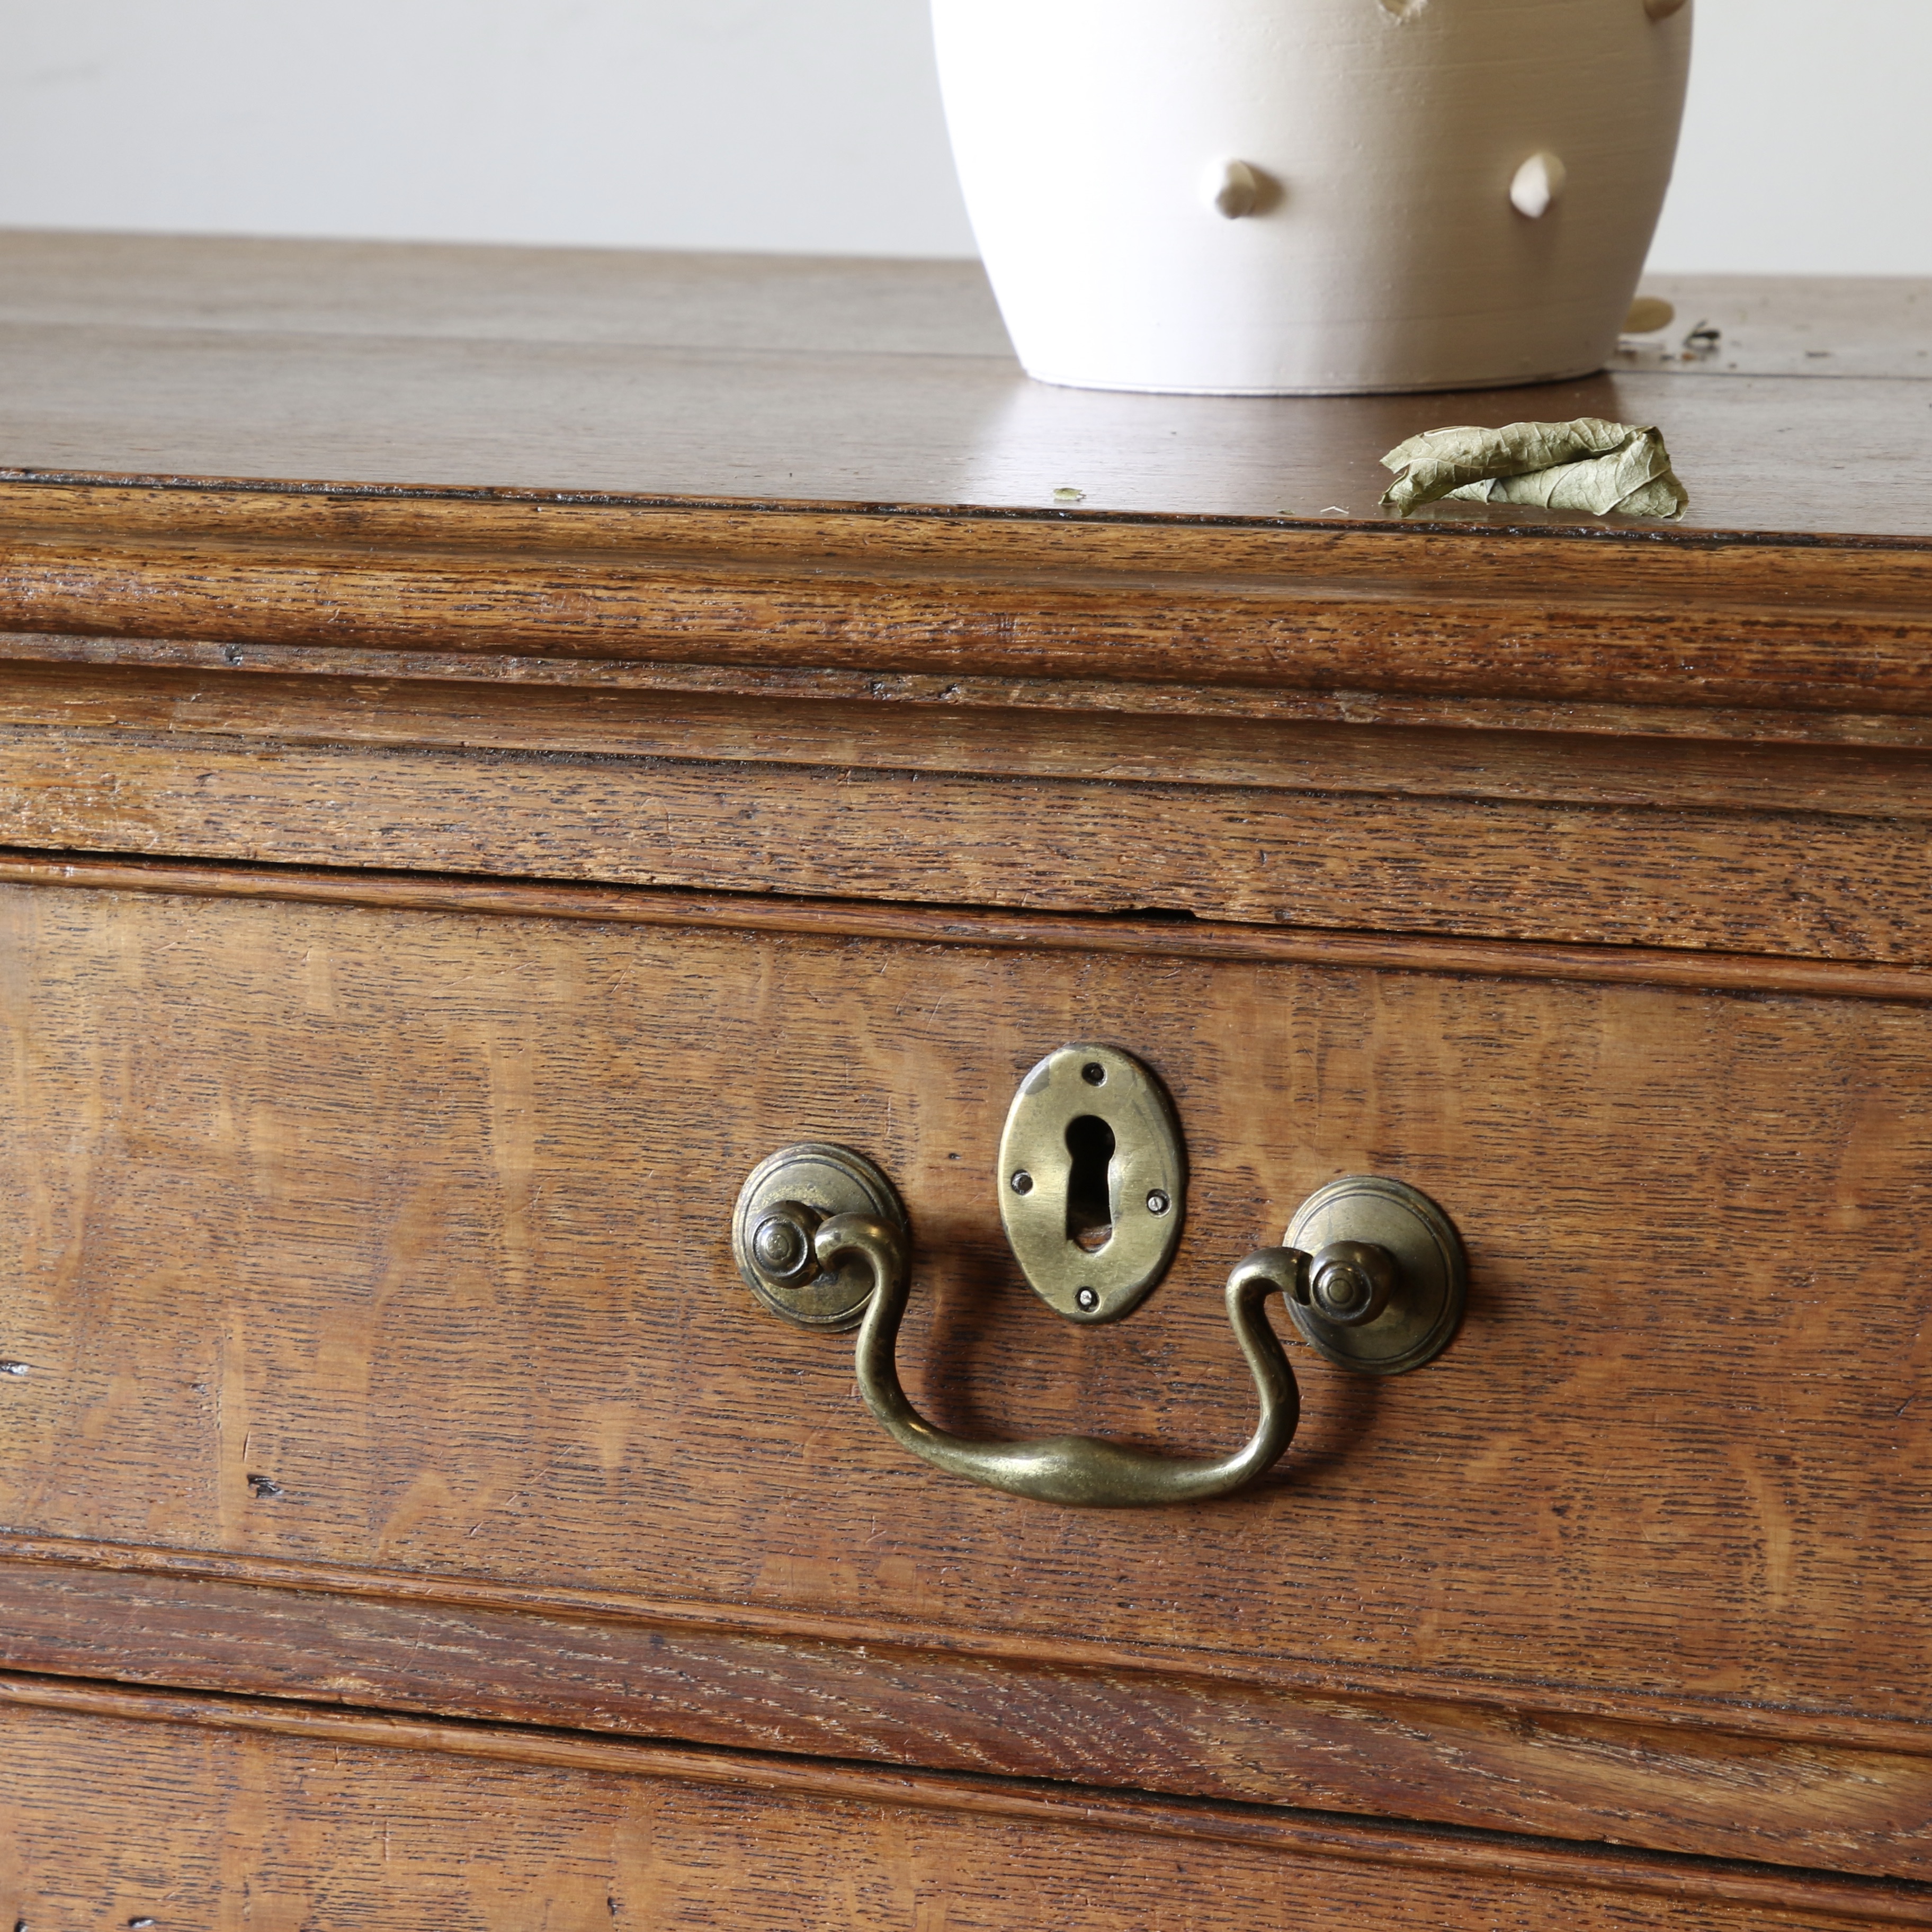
<point>805,125</point>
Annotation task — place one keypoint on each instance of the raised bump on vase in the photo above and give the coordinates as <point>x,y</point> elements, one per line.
<point>1539,184</point>
<point>1662,10</point>
<point>1233,190</point>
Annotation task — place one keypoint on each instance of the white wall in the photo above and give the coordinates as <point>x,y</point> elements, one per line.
<point>1806,147</point>
<point>805,125</point>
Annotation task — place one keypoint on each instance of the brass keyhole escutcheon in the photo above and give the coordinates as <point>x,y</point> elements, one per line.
<point>1093,1180</point>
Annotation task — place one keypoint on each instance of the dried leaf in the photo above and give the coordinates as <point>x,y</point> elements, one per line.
<point>1606,468</point>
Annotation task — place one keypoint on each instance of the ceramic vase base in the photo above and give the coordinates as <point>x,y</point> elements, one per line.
<point>1457,385</point>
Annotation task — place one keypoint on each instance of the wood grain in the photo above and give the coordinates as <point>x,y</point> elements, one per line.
<point>263,1814</point>
<point>454,293</point>
<point>377,1233</point>
<point>1828,886</point>
<point>1611,563</point>
<point>497,742</point>
<point>383,703</point>
<point>663,376</point>
<point>1455,558</point>
<point>1866,325</point>
<point>1030,1650</point>
<point>896,704</point>
<point>1856,642</point>
<point>1699,1778</point>
<point>927,925</point>
<point>1869,325</point>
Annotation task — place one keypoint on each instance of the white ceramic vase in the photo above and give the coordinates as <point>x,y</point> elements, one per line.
<point>1313,197</point>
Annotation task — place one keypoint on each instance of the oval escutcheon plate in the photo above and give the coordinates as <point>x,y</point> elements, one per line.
<point>1093,1182</point>
<point>1420,1319</point>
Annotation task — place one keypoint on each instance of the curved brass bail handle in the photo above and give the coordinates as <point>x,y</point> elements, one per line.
<point>1078,1470</point>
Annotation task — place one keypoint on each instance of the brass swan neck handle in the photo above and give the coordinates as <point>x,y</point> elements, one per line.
<point>1081,1470</point>
<point>1372,1271</point>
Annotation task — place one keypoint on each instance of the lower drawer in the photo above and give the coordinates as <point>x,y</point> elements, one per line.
<point>174,1813</point>
<point>373,1334</point>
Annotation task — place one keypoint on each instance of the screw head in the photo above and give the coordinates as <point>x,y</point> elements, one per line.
<point>1353,1281</point>
<point>1021,1182</point>
<point>779,1245</point>
<point>1087,1300</point>
<point>1342,1289</point>
<point>1094,1074</point>
<point>1158,1202</point>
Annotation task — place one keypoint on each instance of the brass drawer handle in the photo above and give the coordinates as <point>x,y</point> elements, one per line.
<point>1080,1470</point>
<point>821,1238</point>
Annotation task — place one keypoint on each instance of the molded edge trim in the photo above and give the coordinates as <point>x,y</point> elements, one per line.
<point>1662,968</point>
<point>1247,1669</point>
<point>1310,1838</point>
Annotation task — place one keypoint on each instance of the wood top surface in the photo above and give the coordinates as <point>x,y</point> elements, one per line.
<point>719,379</point>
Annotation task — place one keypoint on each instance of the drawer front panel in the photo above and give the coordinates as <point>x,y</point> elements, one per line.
<point>399,1240</point>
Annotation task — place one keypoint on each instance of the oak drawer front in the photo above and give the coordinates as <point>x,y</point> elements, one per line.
<point>387,1251</point>
<point>172,1812</point>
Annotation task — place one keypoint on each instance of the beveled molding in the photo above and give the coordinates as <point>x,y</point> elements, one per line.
<point>1452,1753</point>
<point>1696,619</point>
<point>389,673</point>
<point>1309,1841</point>
<point>1783,1723</point>
<point>1688,969</point>
<point>1838,1791</point>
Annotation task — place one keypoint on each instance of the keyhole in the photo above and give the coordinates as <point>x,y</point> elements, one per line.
<point>1090,1204</point>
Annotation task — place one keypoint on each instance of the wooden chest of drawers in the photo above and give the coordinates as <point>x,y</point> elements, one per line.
<point>492,747</point>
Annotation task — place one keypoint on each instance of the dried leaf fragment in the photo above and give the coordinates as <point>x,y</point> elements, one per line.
<point>1608,469</point>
